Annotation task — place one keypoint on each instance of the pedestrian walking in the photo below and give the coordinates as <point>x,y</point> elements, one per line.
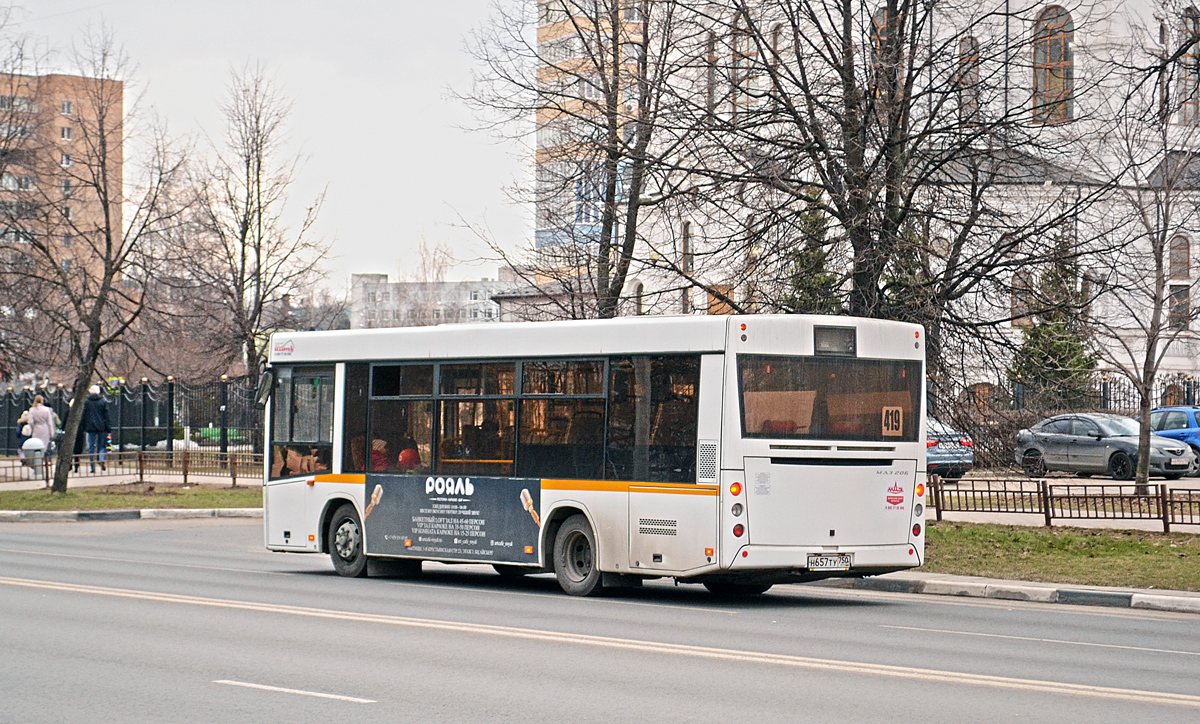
<point>41,422</point>
<point>96,425</point>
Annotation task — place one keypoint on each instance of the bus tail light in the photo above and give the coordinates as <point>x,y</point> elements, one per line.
<point>920,490</point>
<point>735,489</point>
<point>738,530</point>
<point>916,530</point>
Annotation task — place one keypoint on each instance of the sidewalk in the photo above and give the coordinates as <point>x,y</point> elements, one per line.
<point>944,584</point>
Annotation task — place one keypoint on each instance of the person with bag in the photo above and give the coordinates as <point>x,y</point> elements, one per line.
<point>23,433</point>
<point>96,425</point>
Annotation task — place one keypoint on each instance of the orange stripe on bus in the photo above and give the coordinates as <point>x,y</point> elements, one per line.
<point>616,486</point>
<point>342,478</point>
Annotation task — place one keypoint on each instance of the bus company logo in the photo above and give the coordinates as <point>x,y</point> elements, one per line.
<point>449,486</point>
<point>895,497</point>
<point>284,348</point>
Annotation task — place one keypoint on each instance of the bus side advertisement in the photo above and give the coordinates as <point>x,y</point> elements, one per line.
<point>453,518</point>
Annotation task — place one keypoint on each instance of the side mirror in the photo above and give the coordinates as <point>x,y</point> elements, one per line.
<point>265,384</point>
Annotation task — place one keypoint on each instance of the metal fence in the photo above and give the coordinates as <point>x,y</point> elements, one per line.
<point>993,413</point>
<point>176,466</point>
<point>221,415</point>
<point>1070,501</point>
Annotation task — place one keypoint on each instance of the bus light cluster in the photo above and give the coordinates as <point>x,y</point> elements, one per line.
<point>735,490</point>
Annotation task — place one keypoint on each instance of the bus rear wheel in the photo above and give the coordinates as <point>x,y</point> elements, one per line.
<point>737,589</point>
<point>345,539</point>
<point>575,558</point>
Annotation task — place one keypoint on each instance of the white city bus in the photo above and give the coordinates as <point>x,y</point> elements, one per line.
<point>732,451</point>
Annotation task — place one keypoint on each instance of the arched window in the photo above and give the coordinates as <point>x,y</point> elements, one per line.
<point>1189,68</point>
<point>1053,66</point>
<point>639,298</point>
<point>968,77</point>
<point>1180,257</point>
<point>1022,298</point>
<point>745,58</point>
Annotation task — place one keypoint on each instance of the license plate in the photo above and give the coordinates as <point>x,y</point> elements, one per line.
<point>1179,461</point>
<point>840,562</point>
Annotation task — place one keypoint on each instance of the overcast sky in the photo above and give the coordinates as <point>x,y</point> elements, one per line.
<point>370,81</point>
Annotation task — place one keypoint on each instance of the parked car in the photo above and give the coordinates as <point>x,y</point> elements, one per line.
<point>1179,423</point>
<point>1090,443</point>
<point>948,452</point>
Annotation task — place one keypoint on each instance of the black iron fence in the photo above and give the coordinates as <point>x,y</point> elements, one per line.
<point>221,415</point>
<point>993,413</point>
<point>143,465</point>
<point>1069,501</point>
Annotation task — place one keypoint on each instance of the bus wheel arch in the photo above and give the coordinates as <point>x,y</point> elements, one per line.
<point>550,526</point>
<point>326,520</point>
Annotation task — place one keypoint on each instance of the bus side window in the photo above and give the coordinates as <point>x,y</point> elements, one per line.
<point>652,417</point>
<point>354,427</point>
<point>302,422</point>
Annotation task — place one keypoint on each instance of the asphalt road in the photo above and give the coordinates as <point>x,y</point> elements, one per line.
<point>161,621</point>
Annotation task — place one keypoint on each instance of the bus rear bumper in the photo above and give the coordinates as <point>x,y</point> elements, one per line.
<point>864,560</point>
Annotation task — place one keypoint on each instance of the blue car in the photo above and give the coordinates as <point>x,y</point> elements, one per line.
<point>948,452</point>
<point>1178,423</point>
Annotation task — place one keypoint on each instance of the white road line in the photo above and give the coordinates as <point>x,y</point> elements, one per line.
<point>301,692</point>
<point>652,647</point>
<point>1044,641</point>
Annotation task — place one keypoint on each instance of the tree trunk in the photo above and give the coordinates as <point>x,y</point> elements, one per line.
<point>66,449</point>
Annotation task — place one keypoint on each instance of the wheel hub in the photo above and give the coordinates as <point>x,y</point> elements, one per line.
<point>579,557</point>
<point>346,540</point>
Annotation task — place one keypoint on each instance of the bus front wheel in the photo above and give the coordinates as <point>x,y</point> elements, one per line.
<point>346,543</point>
<point>575,557</point>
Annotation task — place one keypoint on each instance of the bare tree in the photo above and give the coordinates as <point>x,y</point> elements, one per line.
<point>82,242</point>
<point>240,247</point>
<point>1144,307</point>
<point>595,85</point>
<point>935,157</point>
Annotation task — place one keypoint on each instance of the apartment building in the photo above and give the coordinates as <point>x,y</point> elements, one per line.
<point>375,301</point>
<point>61,163</point>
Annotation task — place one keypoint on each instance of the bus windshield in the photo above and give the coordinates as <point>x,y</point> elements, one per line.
<point>829,398</point>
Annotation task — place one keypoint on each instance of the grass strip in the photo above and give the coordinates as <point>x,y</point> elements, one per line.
<point>134,495</point>
<point>1087,556</point>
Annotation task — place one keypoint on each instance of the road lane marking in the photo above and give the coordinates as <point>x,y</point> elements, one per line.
<point>301,692</point>
<point>651,647</point>
<point>1045,641</point>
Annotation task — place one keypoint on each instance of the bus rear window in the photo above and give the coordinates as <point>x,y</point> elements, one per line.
<point>822,398</point>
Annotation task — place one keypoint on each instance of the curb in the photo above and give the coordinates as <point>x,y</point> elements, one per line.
<point>1189,603</point>
<point>59,516</point>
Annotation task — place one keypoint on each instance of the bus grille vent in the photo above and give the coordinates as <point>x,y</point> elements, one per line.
<point>656,526</point>
<point>706,462</point>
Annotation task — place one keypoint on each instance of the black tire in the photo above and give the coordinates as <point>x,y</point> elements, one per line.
<point>575,558</point>
<point>345,542</point>
<point>1120,466</point>
<point>1033,464</point>
<point>510,571</point>
<point>1194,470</point>
<point>720,588</point>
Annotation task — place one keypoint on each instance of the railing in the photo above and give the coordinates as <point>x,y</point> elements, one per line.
<point>1070,501</point>
<point>142,463</point>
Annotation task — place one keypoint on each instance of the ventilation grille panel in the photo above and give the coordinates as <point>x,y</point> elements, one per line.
<point>656,526</point>
<point>706,462</point>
